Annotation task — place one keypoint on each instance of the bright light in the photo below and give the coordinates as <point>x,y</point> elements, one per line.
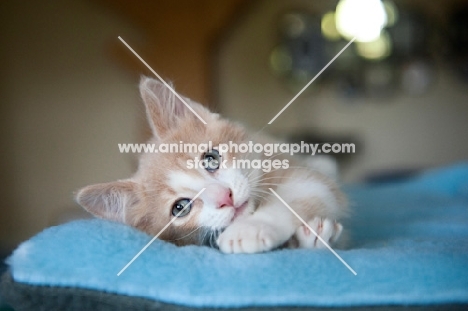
<point>328,24</point>
<point>392,12</point>
<point>363,19</point>
<point>377,49</point>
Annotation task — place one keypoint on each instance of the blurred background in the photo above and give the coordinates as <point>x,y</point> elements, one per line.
<point>69,87</point>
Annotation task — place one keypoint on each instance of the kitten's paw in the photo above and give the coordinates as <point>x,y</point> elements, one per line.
<point>328,230</point>
<point>248,237</point>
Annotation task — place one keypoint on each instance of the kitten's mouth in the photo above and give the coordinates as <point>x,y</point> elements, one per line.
<point>239,210</point>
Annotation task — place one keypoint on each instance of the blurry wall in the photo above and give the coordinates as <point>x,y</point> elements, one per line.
<point>64,108</point>
<point>400,132</point>
<point>178,39</point>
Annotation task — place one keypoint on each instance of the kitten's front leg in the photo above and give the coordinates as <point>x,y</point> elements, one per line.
<point>269,227</point>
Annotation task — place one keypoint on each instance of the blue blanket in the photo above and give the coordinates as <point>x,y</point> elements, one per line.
<point>410,246</point>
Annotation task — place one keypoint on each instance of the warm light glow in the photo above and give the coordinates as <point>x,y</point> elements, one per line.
<point>363,19</point>
<point>392,12</point>
<point>280,60</point>
<point>329,30</point>
<point>293,25</point>
<point>377,49</point>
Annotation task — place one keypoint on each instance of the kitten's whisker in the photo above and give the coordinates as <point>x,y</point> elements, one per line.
<point>275,155</point>
<point>274,177</point>
<point>188,234</point>
<point>259,131</point>
<point>253,170</point>
<point>294,167</point>
<point>257,196</point>
<point>260,191</point>
<point>261,194</point>
<point>266,173</point>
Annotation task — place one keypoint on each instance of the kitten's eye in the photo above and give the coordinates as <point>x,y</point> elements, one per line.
<point>211,160</point>
<point>180,205</point>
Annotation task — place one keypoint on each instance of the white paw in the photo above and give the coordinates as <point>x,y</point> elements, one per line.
<point>328,231</point>
<point>248,237</point>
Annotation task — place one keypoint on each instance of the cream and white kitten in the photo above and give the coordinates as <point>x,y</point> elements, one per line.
<point>236,211</point>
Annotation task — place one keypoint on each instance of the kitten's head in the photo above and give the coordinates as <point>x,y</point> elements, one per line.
<point>164,184</point>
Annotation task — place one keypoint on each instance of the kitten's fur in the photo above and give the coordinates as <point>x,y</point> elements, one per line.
<point>237,200</point>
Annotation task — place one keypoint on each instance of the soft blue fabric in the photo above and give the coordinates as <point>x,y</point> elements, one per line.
<point>410,247</point>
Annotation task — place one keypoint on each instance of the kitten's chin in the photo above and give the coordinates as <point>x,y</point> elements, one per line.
<point>240,211</point>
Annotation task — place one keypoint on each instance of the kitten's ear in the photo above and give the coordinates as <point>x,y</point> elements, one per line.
<point>163,109</point>
<point>109,200</point>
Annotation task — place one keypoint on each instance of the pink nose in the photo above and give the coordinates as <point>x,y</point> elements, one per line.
<point>224,198</point>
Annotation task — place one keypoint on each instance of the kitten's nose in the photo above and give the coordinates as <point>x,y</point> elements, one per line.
<point>224,198</point>
<point>218,195</point>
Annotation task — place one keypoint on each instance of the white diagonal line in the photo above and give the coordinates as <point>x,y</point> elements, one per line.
<point>162,80</point>
<point>313,231</point>
<point>313,79</point>
<point>159,233</point>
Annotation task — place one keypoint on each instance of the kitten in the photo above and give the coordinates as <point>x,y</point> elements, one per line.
<point>236,212</point>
